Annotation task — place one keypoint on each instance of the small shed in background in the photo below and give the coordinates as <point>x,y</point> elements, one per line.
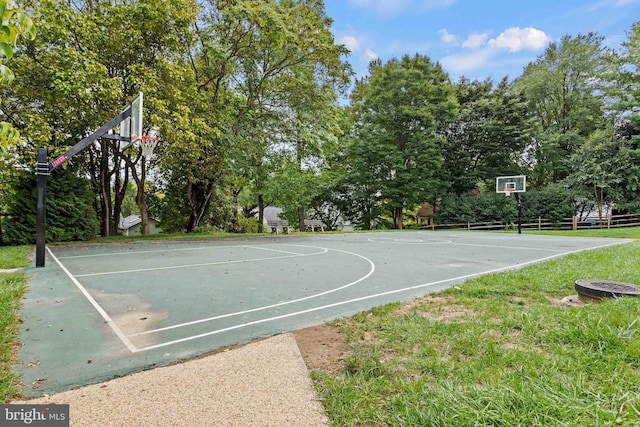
<point>424,216</point>
<point>132,226</point>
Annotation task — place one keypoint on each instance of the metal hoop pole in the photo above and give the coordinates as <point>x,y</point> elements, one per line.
<point>42,170</point>
<point>519,201</point>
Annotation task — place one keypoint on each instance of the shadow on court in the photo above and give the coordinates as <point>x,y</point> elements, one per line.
<point>100,311</point>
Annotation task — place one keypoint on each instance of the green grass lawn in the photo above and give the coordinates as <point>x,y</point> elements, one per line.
<point>14,257</point>
<point>12,288</point>
<point>498,350</point>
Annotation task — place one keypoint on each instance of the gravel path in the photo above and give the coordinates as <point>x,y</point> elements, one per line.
<point>265,383</point>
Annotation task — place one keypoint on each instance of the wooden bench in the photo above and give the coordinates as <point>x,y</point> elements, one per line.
<point>279,224</point>
<point>313,224</point>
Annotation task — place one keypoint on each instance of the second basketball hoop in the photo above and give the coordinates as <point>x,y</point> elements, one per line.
<point>509,185</point>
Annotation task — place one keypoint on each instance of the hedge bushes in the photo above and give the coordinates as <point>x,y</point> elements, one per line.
<point>553,203</point>
<point>70,211</point>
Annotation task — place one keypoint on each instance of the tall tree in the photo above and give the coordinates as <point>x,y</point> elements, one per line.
<point>90,59</point>
<point>63,91</point>
<point>255,58</point>
<point>14,22</point>
<point>403,109</point>
<point>600,167</point>
<point>627,95</point>
<point>489,135</point>
<point>562,89</point>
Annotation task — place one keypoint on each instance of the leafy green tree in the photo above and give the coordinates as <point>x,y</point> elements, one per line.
<point>625,94</point>
<point>555,202</point>
<point>291,77</point>
<point>89,60</point>
<point>402,110</point>
<point>562,90</point>
<point>357,193</point>
<point>488,136</point>
<point>291,188</point>
<point>599,166</point>
<point>14,22</point>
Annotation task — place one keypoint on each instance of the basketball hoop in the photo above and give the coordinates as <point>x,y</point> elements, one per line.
<point>508,191</point>
<point>148,142</point>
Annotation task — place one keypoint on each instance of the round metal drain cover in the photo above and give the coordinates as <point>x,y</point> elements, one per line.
<point>596,289</point>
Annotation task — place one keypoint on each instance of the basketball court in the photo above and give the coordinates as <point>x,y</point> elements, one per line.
<point>99,311</point>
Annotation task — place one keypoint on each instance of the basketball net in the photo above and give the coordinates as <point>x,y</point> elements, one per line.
<point>147,144</point>
<point>507,191</point>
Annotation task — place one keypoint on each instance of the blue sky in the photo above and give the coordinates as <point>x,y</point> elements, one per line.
<point>475,38</point>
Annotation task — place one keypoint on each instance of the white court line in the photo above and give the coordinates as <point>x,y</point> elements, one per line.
<point>436,241</point>
<point>134,252</point>
<point>275,250</point>
<point>222,316</point>
<point>408,241</point>
<point>395,291</point>
<point>524,248</point>
<point>125,340</point>
<point>155,251</point>
<point>204,264</point>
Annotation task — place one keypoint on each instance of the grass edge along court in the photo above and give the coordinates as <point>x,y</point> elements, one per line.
<point>496,350</point>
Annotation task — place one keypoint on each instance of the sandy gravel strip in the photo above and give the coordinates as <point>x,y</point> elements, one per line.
<point>265,383</point>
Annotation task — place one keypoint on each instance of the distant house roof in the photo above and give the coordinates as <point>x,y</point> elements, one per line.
<point>128,222</point>
<point>425,211</point>
<point>271,213</point>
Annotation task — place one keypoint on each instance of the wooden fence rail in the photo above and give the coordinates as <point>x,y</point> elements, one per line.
<point>574,223</point>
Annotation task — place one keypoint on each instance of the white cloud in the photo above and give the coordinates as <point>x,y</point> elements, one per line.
<point>368,56</point>
<point>350,42</point>
<point>474,41</point>
<point>516,39</point>
<point>463,63</point>
<point>447,37</point>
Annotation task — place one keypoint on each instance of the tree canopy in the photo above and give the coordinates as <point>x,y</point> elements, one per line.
<point>255,106</point>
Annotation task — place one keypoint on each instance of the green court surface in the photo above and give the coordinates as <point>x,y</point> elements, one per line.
<point>99,311</point>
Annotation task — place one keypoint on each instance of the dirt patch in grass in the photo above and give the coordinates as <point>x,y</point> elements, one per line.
<point>568,301</point>
<point>438,309</point>
<point>322,348</point>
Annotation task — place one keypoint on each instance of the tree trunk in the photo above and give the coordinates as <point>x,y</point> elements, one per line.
<point>301,218</point>
<point>398,218</point>
<point>141,199</point>
<point>234,223</point>
<point>105,192</point>
<point>260,213</point>
<point>199,195</point>
<point>120,188</point>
